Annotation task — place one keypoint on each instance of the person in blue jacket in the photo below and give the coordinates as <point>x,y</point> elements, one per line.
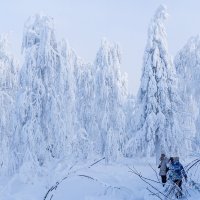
<point>176,173</point>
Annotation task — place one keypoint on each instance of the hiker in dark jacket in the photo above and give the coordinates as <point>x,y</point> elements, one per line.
<point>176,173</point>
<point>163,168</point>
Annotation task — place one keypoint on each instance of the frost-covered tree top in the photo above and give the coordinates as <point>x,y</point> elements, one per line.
<point>108,78</point>
<point>40,46</point>
<point>156,64</point>
<point>37,30</point>
<point>187,62</point>
<point>8,67</point>
<point>3,44</point>
<point>156,31</point>
<point>108,55</point>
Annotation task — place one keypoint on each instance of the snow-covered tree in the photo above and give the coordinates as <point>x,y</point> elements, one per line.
<point>84,106</point>
<point>110,95</point>
<point>187,63</point>
<point>129,109</point>
<point>40,126</point>
<point>8,87</point>
<point>157,114</point>
<point>65,107</point>
<point>68,98</point>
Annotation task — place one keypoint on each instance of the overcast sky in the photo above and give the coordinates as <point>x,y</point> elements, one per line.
<point>84,22</point>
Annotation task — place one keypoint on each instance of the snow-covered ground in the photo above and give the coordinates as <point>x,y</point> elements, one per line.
<point>81,181</point>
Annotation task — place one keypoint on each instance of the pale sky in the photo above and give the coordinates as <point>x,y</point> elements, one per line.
<point>85,22</point>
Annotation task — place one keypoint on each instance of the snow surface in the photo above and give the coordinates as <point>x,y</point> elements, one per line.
<point>81,181</point>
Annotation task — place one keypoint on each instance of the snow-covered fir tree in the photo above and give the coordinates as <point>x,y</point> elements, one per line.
<point>8,87</point>
<point>187,65</point>
<point>157,116</point>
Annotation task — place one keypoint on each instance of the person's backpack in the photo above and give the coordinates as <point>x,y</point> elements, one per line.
<point>177,171</point>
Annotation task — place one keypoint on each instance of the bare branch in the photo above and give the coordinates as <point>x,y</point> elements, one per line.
<point>144,179</point>
<point>195,163</point>
<point>154,194</point>
<point>139,174</point>
<point>96,162</point>
<point>155,172</point>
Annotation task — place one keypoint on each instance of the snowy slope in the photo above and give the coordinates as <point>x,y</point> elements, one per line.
<point>100,181</point>
<point>81,181</point>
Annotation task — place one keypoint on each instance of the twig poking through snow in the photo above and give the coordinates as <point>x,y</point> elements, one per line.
<point>154,194</point>
<point>144,179</point>
<point>96,162</point>
<point>69,173</point>
<point>155,172</point>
